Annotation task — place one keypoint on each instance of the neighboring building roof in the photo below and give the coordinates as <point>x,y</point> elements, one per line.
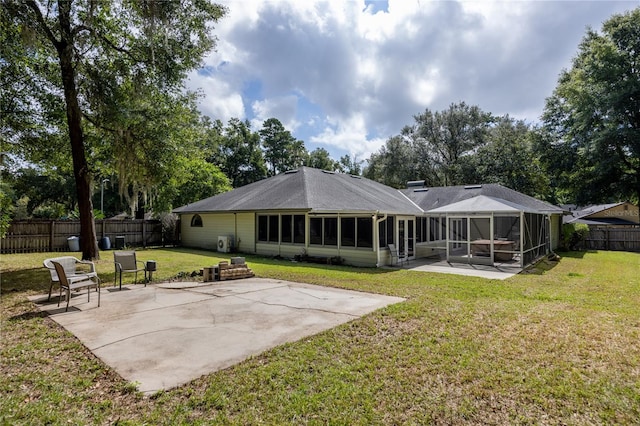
<point>592,215</point>
<point>308,189</point>
<point>430,199</point>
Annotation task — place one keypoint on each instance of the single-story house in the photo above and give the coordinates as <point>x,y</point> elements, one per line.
<point>617,215</point>
<point>325,214</point>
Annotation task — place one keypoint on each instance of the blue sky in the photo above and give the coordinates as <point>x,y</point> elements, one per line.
<point>346,75</point>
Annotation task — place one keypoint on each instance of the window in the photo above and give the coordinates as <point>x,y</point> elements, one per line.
<point>422,230</point>
<point>287,228</point>
<point>284,228</point>
<point>196,221</point>
<point>365,232</point>
<point>330,231</point>
<point>298,229</point>
<point>436,229</point>
<point>263,228</point>
<point>268,228</point>
<point>348,225</point>
<point>274,229</point>
<point>315,230</point>
<point>385,231</point>
<point>323,231</point>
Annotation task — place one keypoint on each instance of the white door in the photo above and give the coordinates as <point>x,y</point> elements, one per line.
<point>406,238</point>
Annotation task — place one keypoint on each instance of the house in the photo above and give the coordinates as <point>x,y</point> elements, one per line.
<point>326,214</point>
<point>617,215</point>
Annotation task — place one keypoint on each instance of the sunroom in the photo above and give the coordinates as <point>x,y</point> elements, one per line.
<point>490,231</point>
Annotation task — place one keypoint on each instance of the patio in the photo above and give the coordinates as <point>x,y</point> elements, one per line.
<point>497,271</point>
<point>164,335</point>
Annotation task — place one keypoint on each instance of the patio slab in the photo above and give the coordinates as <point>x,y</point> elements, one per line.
<point>165,335</point>
<point>497,272</point>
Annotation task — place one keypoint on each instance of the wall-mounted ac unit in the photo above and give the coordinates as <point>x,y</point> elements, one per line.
<point>224,243</point>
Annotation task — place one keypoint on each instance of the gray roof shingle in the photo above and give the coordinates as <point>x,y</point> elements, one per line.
<point>308,189</point>
<point>433,198</point>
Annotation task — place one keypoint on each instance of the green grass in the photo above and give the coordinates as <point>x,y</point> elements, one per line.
<point>557,344</point>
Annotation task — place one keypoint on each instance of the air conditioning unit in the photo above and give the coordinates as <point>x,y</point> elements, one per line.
<point>224,243</point>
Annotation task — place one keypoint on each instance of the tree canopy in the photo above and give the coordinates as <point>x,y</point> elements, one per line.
<point>593,116</point>
<point>79,52</point>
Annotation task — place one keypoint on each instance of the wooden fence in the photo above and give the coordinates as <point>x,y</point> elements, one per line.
<point>29,236</point>
<point>617,239</point>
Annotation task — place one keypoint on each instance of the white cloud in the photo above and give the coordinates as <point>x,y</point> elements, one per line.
<point>221,100</point>
<point>372,72</point>
<point>349,135</point>
<point>283,108</point>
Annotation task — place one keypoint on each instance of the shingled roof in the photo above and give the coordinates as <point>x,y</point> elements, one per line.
<point>311,190</point>
<point>434,198</point>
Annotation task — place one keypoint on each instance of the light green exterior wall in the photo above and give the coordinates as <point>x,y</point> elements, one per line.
<point>242,226</point>
<point>245,232</point>
<point>239,225</point>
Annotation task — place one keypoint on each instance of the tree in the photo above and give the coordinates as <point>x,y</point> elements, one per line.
<point>445,137</point>
<point>94,46</point>
<point>282,151</point>
<point>194,180</point>
<point>433,149</point>
<point>594,112</point>
<point>320,158</point>
<point>350,166</point>
<point>508,159</point>
<point>238,153</point>
<point>392,165</point>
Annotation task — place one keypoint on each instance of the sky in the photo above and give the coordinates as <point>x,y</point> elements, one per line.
<point>346,75</point>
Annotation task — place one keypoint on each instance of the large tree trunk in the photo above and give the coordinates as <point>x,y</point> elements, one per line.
<point>88,241</point>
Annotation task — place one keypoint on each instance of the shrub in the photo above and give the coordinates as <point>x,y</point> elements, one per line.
<point>573,235</point>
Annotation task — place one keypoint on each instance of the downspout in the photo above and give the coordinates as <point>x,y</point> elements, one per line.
<point>376,236</point>
<point>522,229</point>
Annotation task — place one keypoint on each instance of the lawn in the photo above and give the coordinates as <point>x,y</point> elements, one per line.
<point>557,344</point>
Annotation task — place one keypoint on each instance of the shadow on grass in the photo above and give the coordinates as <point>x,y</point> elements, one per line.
<point>577,254</point>
<point>283,262</point>
<point>27,316</point>
<point>547,263</point>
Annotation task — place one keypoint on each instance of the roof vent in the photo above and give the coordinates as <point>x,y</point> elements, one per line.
<point>421,190</point>
<point>415,183</point>
<point>356,176</point>
<point>472,186</point>
<point>290,172</point>
<point>329,172</point>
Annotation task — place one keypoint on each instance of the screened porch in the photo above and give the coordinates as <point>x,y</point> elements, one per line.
<point>490,231</point>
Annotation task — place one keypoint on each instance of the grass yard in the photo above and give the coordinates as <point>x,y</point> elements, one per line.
<point>558,344</point>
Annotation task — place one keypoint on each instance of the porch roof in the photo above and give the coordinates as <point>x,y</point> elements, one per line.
<point>431,198</point>
<point>482,204</point>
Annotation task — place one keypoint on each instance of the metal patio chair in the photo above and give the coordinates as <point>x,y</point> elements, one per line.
<point>126,262</point>
<point>67,285</point>
<point>70,265</point>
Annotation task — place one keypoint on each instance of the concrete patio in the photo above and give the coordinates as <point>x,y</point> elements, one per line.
<point>497,272</point>
<point>165,335</point>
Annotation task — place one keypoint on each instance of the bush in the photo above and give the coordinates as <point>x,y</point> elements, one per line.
<point>573,235</point>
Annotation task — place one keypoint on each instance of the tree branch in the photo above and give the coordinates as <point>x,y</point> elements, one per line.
<point>96,123</point>
<point>43,24</point>
<point>106,40</point>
